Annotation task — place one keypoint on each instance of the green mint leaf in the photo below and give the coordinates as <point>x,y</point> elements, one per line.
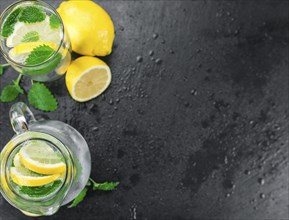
<point>39,55</point>
<point>106,186</point>
<point>78,198</point>
<point>32,14</point>
<point>9,93</point>
<point>45,67</point>
<point>18,87</point>
<point>32,36</point>
<point>40,97</point>
<point>54,21</point>
<point>8,27</point>
<point>38,191</point>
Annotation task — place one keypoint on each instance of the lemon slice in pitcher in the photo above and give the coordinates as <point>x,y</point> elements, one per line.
<point>24,177</point>
<point>40,157</point>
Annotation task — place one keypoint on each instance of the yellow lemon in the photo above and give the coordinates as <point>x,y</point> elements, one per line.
<point>89,26</point>
<point>87,77</point>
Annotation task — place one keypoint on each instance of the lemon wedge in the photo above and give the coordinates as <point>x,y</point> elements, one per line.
<point>87,77</point>
<point>39,157</point>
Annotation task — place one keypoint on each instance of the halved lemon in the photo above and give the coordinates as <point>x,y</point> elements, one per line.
<point>24,177</point>
<point>39,157</point>
<point>87,77</point>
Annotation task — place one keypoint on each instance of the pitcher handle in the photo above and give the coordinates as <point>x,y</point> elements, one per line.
<point>20,117</point>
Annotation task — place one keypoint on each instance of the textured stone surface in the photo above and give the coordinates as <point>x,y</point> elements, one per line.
<point>191,128</point>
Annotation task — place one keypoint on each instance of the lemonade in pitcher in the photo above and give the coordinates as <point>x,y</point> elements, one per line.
<point>44,166</point>
<point>34,41</point>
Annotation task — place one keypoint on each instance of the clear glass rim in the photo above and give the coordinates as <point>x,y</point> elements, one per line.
<point>11,7</point>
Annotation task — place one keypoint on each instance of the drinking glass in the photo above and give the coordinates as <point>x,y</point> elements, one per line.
<point>16,51</point>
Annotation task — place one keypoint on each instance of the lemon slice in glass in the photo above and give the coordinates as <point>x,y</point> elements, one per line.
<point>87,77</point>
<point>34,32</point>
<point>40,157</point>
<point>22,51</point>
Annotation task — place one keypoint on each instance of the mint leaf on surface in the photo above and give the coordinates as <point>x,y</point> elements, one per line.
<point>54,21</point>
<point>9,93</point>
<point>32,14</point>
<point>40,97</point>
<point>32,36</point>
<point>39,55</point>
<point>18,87</point>
<point>106,186</point>
<point>10,22</point>
<point>79,198</point>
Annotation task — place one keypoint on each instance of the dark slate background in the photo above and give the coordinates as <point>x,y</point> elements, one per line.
<point>199,129</point>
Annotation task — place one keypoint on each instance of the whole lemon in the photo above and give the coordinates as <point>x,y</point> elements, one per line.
<point>89,26</point>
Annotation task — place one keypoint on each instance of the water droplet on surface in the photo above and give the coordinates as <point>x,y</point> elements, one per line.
<point>95,129</point>
<point>194,92</point>
<point>115,108</point>
<point>117,100</point>
<point>247,172</point>
<point>228,195</point>
<point>103,97</point>
<point>262,196</point>
<point>121,28</point>
<point>226,160</point>
<point>261,181</point>
<point>252,201</point>
<point>139,59</point>
<point>155,36</point>
<point>163,41</point>
<point>158,61</point>
<point>110,102</point>
<point>151,52</point>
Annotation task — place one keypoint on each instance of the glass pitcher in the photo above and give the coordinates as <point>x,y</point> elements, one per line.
<point>62,140</point>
